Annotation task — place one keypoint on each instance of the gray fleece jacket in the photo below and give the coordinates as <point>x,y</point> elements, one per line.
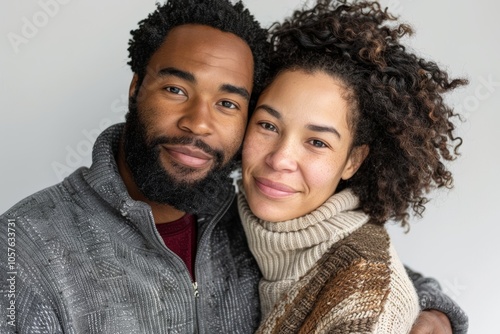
<point>86,258</point>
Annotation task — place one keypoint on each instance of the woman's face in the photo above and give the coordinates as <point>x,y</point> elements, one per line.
<point>298,145</point>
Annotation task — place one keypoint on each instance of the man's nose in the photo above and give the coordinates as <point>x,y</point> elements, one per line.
<point>197,118</point>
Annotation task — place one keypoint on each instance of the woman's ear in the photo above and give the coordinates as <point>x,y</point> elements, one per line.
<point>356,157</point>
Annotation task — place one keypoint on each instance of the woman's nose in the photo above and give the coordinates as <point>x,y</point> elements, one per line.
<point>283,157</point>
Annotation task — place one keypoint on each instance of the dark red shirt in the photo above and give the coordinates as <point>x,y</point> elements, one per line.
<point>180,238</point>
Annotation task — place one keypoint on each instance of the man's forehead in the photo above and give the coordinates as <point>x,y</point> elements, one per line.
<point>203,36</point>
<point>198,49</point>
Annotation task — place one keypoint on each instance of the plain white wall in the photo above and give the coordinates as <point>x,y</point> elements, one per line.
<point>64,78</point>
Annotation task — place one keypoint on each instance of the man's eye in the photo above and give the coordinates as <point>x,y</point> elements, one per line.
<point>174,90</point>
<point>228,104</point>
<point>268,126</point>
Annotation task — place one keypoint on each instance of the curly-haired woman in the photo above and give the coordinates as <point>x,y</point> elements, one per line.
<point>351,131</point>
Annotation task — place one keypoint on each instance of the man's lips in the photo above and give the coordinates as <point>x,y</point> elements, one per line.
<point>189,156</point>
<point>273,189</point>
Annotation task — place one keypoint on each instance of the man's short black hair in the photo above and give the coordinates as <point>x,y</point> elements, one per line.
<point>219,14</point>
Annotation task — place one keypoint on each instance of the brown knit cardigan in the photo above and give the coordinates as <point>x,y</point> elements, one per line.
<point>357,285</point>
<point>343,293</point>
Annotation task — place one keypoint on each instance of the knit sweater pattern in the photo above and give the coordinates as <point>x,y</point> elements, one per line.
<point>329,271</point>
<point>88,259</point>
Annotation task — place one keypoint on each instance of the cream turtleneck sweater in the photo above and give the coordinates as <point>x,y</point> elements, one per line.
<point>286,251</point>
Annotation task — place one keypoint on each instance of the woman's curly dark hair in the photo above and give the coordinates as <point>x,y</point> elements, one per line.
<point>396,100</point>
<point>219,14</point>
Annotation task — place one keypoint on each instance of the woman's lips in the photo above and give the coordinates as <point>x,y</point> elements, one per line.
<point>273,189</point>
<point>189,156</point>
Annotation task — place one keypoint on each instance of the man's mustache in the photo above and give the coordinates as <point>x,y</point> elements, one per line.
<point>218,155</point>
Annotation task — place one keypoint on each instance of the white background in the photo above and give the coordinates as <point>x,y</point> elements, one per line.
<point>67,79</point>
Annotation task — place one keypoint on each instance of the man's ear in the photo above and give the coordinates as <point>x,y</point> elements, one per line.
<point>356,157</point>
<point>133,85</point>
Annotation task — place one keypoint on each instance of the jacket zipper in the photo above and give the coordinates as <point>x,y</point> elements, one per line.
<point>193,283</point>
<point>203,240</point>
<point>196,295</point>
<point>195,287</point>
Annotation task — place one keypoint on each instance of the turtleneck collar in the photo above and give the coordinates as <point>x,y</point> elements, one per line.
<point>287,249</point>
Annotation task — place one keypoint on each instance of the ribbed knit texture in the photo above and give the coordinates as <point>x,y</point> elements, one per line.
<point>89,260</point>
<point>329,272</point>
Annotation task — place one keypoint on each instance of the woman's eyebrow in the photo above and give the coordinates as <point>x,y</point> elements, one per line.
<point>320,128</point>
<point>273,112</point>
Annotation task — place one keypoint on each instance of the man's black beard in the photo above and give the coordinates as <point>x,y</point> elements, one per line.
<point>157,185</point>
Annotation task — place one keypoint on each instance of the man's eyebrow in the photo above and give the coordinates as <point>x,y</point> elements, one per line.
<point>273,112</point>
<point>320,128</point>
<point>228,88</point>
<point>172,71</point>
<point>243,92</point>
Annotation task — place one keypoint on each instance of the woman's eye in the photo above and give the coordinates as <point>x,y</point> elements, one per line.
<point>268,126</point>
<point>174,90</point>
<point>318,143</point>
<point>228,104</point>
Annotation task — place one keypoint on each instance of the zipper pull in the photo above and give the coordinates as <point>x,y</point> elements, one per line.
<point>195,286</point>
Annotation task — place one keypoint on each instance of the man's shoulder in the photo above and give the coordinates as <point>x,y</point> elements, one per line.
<point>47,202</point>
